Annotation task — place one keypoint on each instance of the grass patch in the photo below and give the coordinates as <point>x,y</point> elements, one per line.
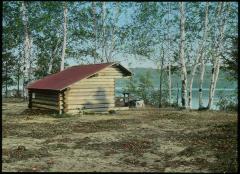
<point>103,125</point>
<point>22,153</point>
<point>133,146</point>
<point>35,130</point>
<point>149,139</point>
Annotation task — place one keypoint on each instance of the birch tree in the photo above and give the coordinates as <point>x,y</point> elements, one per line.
<point>169,58</point>
<point>161,73</point>
<point>217,52</point>
<point>50,65</point>
<point>27,46</point>
<point>182,56</point>
<point>103,30</point>
<point>95,31</point>
<point>198,55</point>
<point>113,32</point>
<point>64,36</point>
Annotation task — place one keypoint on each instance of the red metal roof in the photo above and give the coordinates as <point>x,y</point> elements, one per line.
<point>63,79</point>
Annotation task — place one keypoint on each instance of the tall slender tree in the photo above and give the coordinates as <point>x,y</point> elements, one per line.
<point>169,57</point>
<point>64,36</point>
<point>27,47</point>
<point>182,56</point>
<point>198,55</point>
<point>217,51</point>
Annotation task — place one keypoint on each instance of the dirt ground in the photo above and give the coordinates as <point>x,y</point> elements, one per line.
<point>146,140</point>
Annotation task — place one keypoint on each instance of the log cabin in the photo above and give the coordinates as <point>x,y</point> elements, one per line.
<point>79,88</point>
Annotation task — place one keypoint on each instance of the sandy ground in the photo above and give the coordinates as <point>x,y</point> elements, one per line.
<point>165,140</point>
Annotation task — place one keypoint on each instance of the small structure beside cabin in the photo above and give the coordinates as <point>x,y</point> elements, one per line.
<point>84,87</point>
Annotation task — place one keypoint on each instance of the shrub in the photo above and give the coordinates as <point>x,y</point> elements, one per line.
<point>142,88</point>
<point>227,102</point>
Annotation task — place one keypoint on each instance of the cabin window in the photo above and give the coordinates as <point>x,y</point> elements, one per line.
<point>33,95</point>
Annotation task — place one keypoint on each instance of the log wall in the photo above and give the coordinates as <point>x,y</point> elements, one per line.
<point>44,99</point>
<point>96,93</point>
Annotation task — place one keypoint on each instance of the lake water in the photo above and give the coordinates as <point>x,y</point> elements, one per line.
<point>195,100</point>
<point>224,86</point>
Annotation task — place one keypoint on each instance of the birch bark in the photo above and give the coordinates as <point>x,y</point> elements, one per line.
<point>115,28</point>
<point>202,71</point>
<point>103,33</point>
<point>169,58</point>
<point>161,72</point>
<point>64,36</point>
<point>26,47</point>
<point>52,57</point>
<point>95,31</point>
<point>182,56</point>
<point>199,55</point>
<point>218,47</point>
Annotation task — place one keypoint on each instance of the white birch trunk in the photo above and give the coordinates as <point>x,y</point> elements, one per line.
<point>199,55</point>
<point>202,71</point>
<point>52,57</point>
<point>169,84</point>
<point>216,78</point>
<point>182,56</point>
<point>191,83</point>
<point>103,33</point>
<point>169,58</point>
<point>64,37</point>
<point>95,31</point>
<point>26,48</point>
<point>114,29</point>
<point>30,58</point>
<point>26,38</point>
<point>218,48</point>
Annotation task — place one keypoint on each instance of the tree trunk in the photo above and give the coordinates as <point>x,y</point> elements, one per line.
<point>202,71</point>
<point>30,60</point>
<point>6,81</point>
<point>52,57</point>
<point>211,88</point>
<point>23,89</point>
<point>26,45</point>
<point>169,59</point>
<point>18,80</point>
<point>95,32</point>
<point>190,86</point>
<point>218,48</point>
<point>64,37</point>
<point>177,94</point>
<point>182,56</point>
<point>160,87</point>
<point>169,84</point>
<point>199,55</point>
<point>103,33</point>
<point>114,29</point>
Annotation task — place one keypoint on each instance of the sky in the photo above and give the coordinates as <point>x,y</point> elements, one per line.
<point>127,61</point>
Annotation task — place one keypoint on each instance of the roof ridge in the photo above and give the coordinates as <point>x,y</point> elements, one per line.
<point>93,64</point>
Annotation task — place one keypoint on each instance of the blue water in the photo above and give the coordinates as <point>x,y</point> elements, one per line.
<point>195,100</point>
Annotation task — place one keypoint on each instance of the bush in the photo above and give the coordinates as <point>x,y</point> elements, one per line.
<point>227,102</point>
<point>142,88</point>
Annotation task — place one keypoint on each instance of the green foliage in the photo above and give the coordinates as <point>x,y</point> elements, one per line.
<point>141,87</point>
<point>155,98</point>
<point>145,86</point>
<point>227,102</point>
<point>231,61</point>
